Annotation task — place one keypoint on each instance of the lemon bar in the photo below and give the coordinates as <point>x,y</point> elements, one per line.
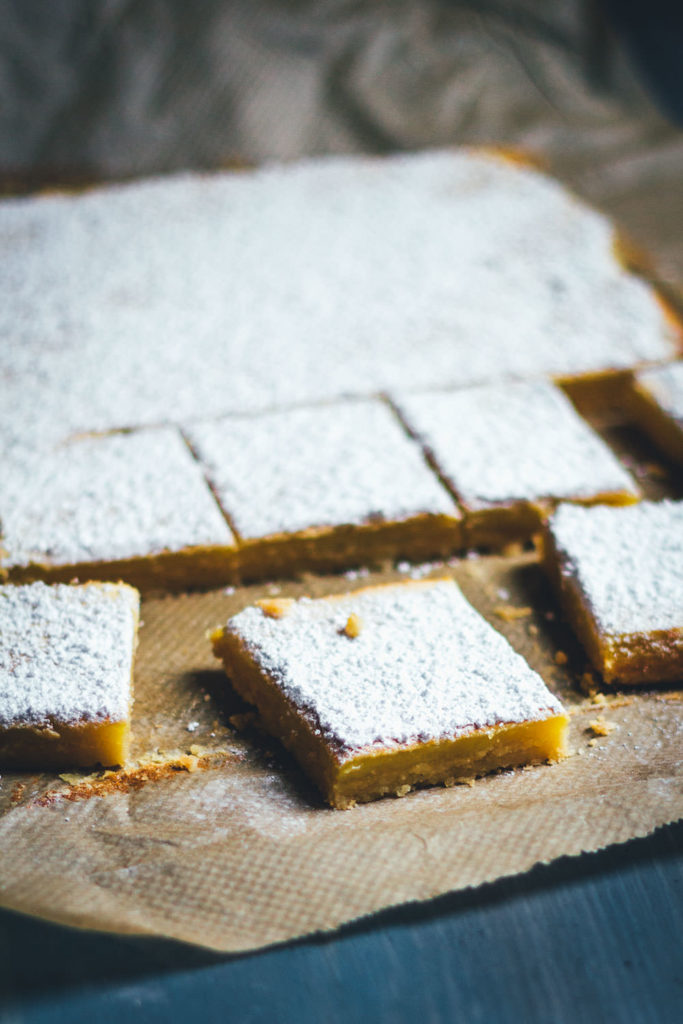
<point>129,506</point>
<point>324,488</point>
<point>389,688</point>
<point>66,662</point>
<point>308,281</point>
<point>619,576</point>
<point>656,404</point>
<point>510,452</point>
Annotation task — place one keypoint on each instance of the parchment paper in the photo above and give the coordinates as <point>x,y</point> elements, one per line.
<point>240,852</point>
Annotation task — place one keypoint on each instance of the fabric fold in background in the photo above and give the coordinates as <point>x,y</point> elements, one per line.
<point>123,89</point>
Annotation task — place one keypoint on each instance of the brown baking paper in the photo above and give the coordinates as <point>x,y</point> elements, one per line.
<point>240,852</point>
<point>235,849</point>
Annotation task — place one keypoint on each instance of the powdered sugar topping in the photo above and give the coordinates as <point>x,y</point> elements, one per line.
<point>665,384</point>
<point>516,441</point>
<point>66,653</point>
<point>627,561</point>
<point>106,498</point>
<point>196,296</point>
<point>425,665</point>
<point>324,466</point>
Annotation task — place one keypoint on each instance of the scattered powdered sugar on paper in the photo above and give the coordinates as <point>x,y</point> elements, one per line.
<point>106,498</point>
<point>425,665</point>
<point>518,440</point>
<point>627,561</point>
<point>324,466</point>
<point>200,295</point>
<point>66,653</point>
<point>418,572</point>
<point>665,384</point>
<point>263,802</point>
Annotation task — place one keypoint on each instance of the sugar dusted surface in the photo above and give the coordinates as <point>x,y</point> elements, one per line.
<point>627,561</point>
<point>66,653</point>
<point>324,466</point>
<point>195,296</point>
<point>106,498</point>
<point>425,666</point>
<point>514,441</point>
<point>665,385</point>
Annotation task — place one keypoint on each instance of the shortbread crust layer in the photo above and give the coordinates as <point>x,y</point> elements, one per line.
<point>172,571</point>
<point>330,549</point>
<point>64,746</point>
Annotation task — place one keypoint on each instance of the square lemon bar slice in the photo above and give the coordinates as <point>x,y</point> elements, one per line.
<point>510,452</point>
<point>656,404</point>
<point>389,688</point>
<point>619,576</point>
<point>66,662</point>
<point>130,506</point>
<point>324,488</point>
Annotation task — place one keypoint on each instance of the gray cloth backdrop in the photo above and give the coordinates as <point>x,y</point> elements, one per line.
<point>122,88</point>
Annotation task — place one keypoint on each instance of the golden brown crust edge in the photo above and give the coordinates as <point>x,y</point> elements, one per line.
<point>652,420</point>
